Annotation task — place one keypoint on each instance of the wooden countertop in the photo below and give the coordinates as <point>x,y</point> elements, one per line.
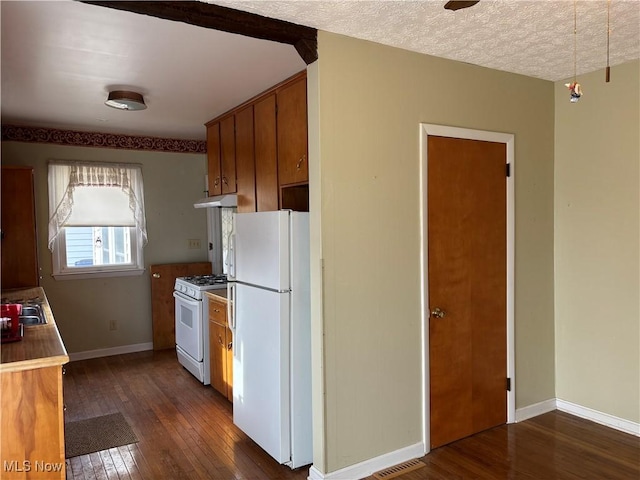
<point>220,294</point>
<point>41,345</point>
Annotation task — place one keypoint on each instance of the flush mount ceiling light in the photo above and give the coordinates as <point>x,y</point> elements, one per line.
<point>125,100</point>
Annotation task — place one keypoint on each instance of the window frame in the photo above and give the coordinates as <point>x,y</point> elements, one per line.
<point>63,272</point>
<point>124,176</point>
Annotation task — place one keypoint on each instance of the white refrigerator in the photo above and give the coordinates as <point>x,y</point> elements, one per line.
<point>270,319</point>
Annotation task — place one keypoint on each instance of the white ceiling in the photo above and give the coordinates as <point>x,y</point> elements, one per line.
<point>60,58</point>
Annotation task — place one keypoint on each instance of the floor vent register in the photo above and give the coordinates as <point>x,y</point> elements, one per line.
<point>400,469</point>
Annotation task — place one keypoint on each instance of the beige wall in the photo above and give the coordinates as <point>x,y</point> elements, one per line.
<point>83,308</point>
<point>597,212</point>
<point>372,99</point>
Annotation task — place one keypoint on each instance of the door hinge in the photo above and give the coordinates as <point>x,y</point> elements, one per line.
<point>508,169</point>
<point>508,384</point>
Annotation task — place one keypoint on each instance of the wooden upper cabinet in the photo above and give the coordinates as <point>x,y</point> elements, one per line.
<point>259,149</point>
<point>221,156</point>
<point>228,154</point>
<point>266,154</point>
<point>245,161</point>
<point>19,245</point>
<point>292,133</point>
<point>213,159</point>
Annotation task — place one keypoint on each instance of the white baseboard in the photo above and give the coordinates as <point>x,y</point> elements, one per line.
<point>536,409</point>
<point>612,421</point>
<point>107,352</point>
<point>368,467</point>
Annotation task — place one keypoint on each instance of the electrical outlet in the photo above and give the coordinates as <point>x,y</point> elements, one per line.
<point>113,324</point>
<point>194,244</point>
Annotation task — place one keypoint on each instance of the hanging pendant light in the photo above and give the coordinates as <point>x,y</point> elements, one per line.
<point>574,87</point>
<point>125,100</point>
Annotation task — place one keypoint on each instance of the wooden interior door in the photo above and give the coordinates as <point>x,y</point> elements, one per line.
<point>467,242</point>
<point>163,278</point>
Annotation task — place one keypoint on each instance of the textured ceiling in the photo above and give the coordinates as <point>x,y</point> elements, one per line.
<point>60,58</point>
<point>533,38</point>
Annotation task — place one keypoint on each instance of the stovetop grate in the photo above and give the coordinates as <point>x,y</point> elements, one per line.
<point>201,280</point>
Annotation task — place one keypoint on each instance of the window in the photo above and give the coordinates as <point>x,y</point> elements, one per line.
<point>97,222</point>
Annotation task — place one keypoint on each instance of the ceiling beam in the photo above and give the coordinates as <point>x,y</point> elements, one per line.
<point>207,15</point>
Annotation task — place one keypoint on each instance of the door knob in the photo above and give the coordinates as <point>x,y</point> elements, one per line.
<point>156,275</point>
<point>437,313</point>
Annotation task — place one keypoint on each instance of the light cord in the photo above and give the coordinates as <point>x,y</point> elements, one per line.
<point>608,70</point>
<point>575,40</point>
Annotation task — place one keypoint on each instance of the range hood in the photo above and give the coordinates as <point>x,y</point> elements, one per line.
<point>230,200</point>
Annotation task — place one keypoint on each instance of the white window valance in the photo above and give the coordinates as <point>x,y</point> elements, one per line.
<point>95,194</point>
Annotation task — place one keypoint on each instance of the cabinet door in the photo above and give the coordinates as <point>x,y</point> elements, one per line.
<point>266,155</point>
<point>292,133</point>
<point>32,424</point>
<point>213,159</point>
<point>228,154</point>
<point>229,364</point>
<point>218,357</point>
<point>19,255</point>
<point>163,279</point>
<point>245,163</point>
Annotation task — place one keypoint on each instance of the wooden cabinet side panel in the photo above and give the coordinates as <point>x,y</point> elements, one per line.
<point>213,159</point>
<point>228,154</point>
<point>266,155</point>
<point>32,423</point>
<point>292,133</point>
<point>229,354</point>
<point>245,161</point>
<point>163,279</point>
<point>19,243</point>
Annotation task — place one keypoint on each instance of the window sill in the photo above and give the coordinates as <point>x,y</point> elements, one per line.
<point>86,274</point>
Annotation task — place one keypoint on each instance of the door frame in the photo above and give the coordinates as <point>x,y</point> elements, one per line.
<point>426,130</point>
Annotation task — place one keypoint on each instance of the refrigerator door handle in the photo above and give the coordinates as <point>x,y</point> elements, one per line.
<point>232,256</point>
<point>231,312</point>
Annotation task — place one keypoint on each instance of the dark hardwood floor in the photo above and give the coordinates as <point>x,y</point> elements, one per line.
<point>553,446</point>
<point>185,431</point>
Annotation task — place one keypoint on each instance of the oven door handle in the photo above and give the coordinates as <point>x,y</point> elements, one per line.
<point>185,299</point>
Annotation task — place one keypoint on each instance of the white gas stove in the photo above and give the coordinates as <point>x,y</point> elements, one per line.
<point>192,325</point>
<point>195,285</point>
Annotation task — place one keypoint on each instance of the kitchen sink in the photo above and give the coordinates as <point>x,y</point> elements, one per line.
<point>32,315</point>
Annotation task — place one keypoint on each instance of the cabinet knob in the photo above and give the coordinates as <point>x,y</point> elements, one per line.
<point>437,313</point>
<point>230,346</point>
<point>156,275</point>
<point>220,340</point>
<point>217,181</point>
<point>302,159</point>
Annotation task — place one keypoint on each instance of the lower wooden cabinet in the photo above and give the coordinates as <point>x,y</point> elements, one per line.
<point>32,434</point>
<point>220,348</point>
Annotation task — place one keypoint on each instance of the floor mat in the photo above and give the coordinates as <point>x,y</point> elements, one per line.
<point>95,434</point>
